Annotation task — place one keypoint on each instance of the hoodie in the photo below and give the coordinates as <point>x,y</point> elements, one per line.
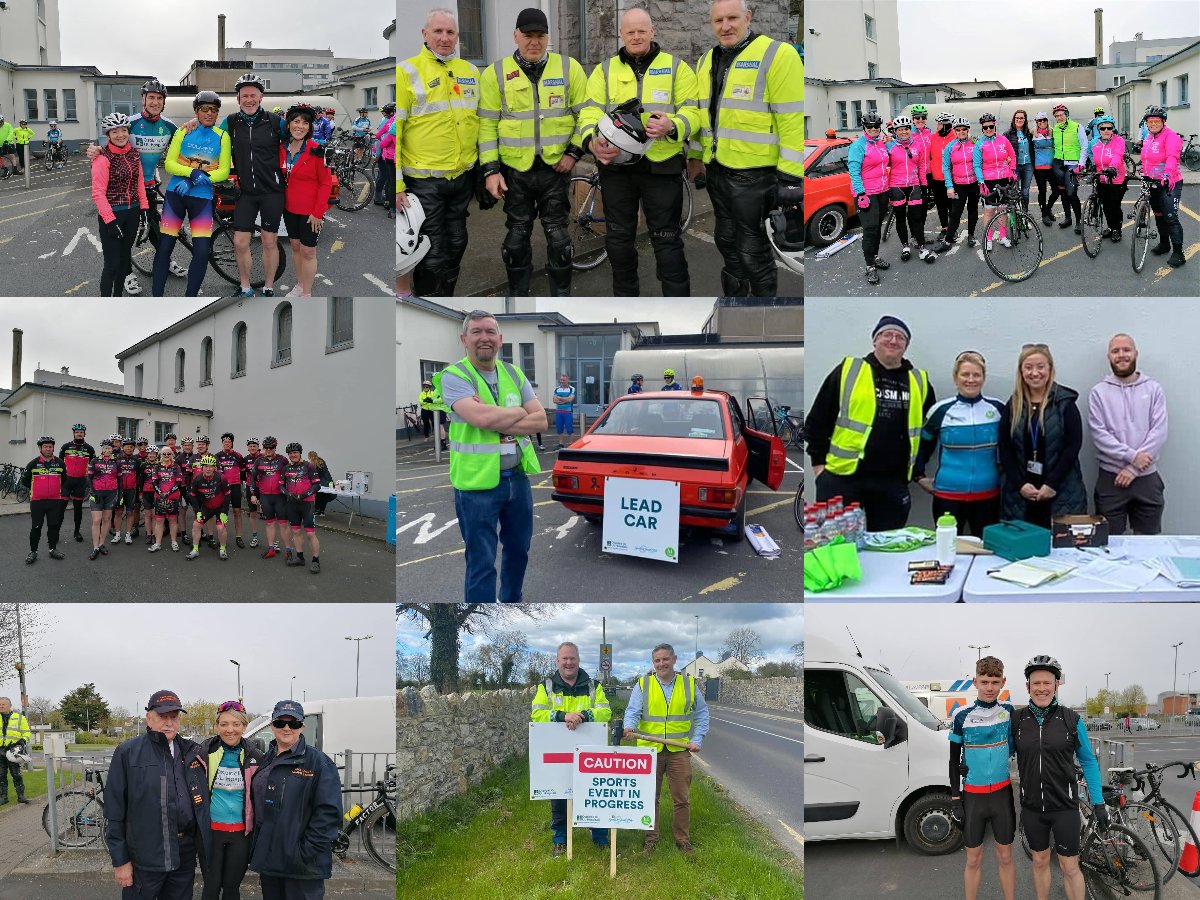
<point>1125,419</point>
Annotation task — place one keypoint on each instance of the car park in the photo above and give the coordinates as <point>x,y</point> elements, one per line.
<point>1141,723</point>
<point>1098,725</point>
<point>828,197</point>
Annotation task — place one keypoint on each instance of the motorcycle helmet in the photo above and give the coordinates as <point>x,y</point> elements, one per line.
<point>785,231</point>
<point>411,245</point>
<point>623,129</point>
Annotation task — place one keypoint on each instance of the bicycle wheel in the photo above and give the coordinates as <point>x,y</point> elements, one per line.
<point>687,204</point>
<point>1183,825</point>
<point>586,225</point>
<point>1092,226</point>
<point>1191,159</point>
<point>785,431</point>
<point>79,818</point>
<point>223,258</point>
<point>887,224</point>
<point>1142,235</point>
<point>1022,257</point>
<point>357,188</point>
<point>1156,828</point>
<point>798,506</point>
<point>146,243</point>
<point>22,493</point>
<point>379,836</point>
<point>1118,862</point>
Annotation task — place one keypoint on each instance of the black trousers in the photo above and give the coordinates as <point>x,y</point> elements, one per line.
<point>941,201</point>
<point>274,888</point>
<point>1046,192</point>
<point>14,769</point>
<point>1066,187</point>
<point>386,178</point>
<point>972,515</point>
<point>223,873</point>
<point>885,500</point>
<point>660,196</point>
<point>871,220</point>
<point>742,199</point>
<point>48,511</point>
<point>174,885</point>
<point>909,205</point>
<point>1110,201</point>
<point>964,195</point>
<point>1165,204</point>
<point>445,201</point>
<point>539,193</point>
<point>116,243</point>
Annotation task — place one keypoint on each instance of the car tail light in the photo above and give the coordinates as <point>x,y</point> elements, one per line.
<point>567,482</point>
<point>718,495</point>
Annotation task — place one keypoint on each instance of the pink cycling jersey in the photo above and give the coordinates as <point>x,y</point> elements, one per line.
<point>910,163</point>
<point>1109,154</point>
<point>996,159</point>
<point>957,163</point>
<point>1160,156</point>
<point>868,163</point>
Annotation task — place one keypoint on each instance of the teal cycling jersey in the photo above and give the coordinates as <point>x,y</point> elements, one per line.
<point>150,140</point>
<point>54,135</point>
<point>983,732</point>
<point>360,126</point>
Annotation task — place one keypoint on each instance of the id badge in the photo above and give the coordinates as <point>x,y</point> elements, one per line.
<point>741,92</point>
<point>660,96</point>
<point>1034,467</point>
<point>558,101</point>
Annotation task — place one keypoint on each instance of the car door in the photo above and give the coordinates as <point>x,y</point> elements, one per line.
<point>768,459</point>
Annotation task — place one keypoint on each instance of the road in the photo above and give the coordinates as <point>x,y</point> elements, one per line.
<point>566,562</point>
<point>756,754</point>
<point>49,244</point>
<point>1065,269</point>
<point>352,569</point>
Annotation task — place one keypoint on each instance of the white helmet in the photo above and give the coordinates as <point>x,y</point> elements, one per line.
<point>901,122</point>
<point>790,253</point>
<point>623,129</point>
<point>114,120</point>
<point>14,755</point>
<point>411,245</point>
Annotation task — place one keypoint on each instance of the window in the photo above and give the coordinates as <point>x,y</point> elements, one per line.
<point>206,362</point>
<point>871,106</point>
<point>1162,93</point>
<point>370,97</point>
<point>19,434</point>
<point>179,366</point>
<point>470,30</point>
<point>857,106</point>
<point>1154,57</point>
<point>161,430</point>
<point>832,162</point>
<point>1123,112</point>
<point>341,324</point>
<point>869,26</point>
<point>527,362</point>
<point>872,70</point>
<point>128,429</point>
<point>50,96</point>
<point>843,124</point>
<point>69,105</point>
<point>31,105</point>
<point>1183,88</point>
<point>506,353</point>
<point>282,354</point>
<point>239,350</point>
<point>840,703</point>
<point>139,374</point>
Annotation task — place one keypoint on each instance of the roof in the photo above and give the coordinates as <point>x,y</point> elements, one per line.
<point>1188,50</point>
<point>111,396</point>
<point>202,313</point>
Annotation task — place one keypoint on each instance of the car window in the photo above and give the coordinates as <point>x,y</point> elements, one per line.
<point>686,418</point>
<point>841,703</point>
<point>809,150</point>
<point>832,163</point>
<point>735,417</point>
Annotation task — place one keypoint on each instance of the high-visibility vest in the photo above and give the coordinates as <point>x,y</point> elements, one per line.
<point>475,452</point>
<point>856,415</point>
<point>23,135</point>
<point>760,119</point>
<point>547,701</point>
<point>437,127</point>
<point>518,123</point>
<point>17,730</point>
<point>1066,141</point>
<point>669,87</point>
<point>674,721</point>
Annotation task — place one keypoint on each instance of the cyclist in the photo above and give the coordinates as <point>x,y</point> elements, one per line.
<point>1043,154</point>
<point>151,134</point>
<point>232,466</point>
<point>386,175</point>
<point>264,481</point>
<point>306,199</point>
<point>146,487</point>
<point>1070,143</point>
<point>120,198</point>
<point>46,478</point>
<point>111,519</point>
<point>1106,154</point>
<point>381,193</point>
<point>360,131</point>
<point>54,140</point>
<point>102,492</point>
<point>128,482</point>
<point>252,453</point>
<point>958,165</point>
<point>936,178</point>
<point>193,470</point>
<point>994,160</point>
<point>195,160</point>
<point>868,161</point>
<point>1161,150</point>
<point>322,126</point>
<point>1021,138</point>
<point>22,135</point>
<point>183,459</point>
<point>77,455</point>
<point>210,499</point>
<point>1048,738</point>
<point>1097,113</point>
<point>669,382</point>
<point>168,486</point>
<point>909,168</point>
<point>635,384</point>
<point>301,482</point>
<point>8,142</point>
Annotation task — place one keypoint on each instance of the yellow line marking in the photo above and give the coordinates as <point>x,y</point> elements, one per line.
<point>74,289</point>
<point>1189,212</point>
<point>793,832</point>
<point>36,213</point>
<point>762,509</point>
<point>413,562</point>
<point>723,585</point>
<point>1164,271</point>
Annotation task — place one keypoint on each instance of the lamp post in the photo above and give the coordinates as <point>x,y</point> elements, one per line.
<point>1189,687</point>
<point>291,686</point>
<point>697,656</point>
<point>1175,680</point>
<point>1106,674</point>
<point>980,648</point>
<point>241,699</point>
<point>358,655</point>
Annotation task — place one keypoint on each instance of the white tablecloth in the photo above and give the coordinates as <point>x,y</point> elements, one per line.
<point>885,580</point>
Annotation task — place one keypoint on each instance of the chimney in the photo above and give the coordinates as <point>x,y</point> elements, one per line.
<point>221,37</point>
<point>1099,36</point>
<point>16,358</point>
<point>247,45</point>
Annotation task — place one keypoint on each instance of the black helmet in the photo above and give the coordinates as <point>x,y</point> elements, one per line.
<point>987,117</point>
<point>45,440</point>
<point>143,440</point>
<point>294,445</point>
<point>301,109</point>
<point>388,109</point>
<point>203,439</point>
<point>171,434</point>
<point>154,86</point>
<point>361,109</point>
<point>249,79</point>
<point>206,97</point>
<point>228,434</point>
<point>270,442</point>
<point>1157,111</point>
<point>872,118</point>
<point>1044,662</point>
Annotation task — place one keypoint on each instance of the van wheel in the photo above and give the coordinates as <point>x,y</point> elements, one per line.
<point>827,225</point>
<point>927,826</point>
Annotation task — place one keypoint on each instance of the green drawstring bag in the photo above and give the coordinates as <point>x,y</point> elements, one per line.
<point>831,565</point>
<point>899,540</point>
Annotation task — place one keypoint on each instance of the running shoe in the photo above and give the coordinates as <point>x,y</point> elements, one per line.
<point>193,554</point>
<point>154,548</point>
<point>241,544</point>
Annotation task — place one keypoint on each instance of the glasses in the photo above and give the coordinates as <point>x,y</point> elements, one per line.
<point>208,107</point>
<point>229,704</point>
<point>872,127</point>
<point>287,723</point>
<point>961,128</point>
<point>989,127</point>
<point>922,118</point>
<point>1106,128</point>
<point>1035,347</point>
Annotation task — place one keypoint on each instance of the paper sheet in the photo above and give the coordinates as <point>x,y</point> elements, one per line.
<point>1128,574</point>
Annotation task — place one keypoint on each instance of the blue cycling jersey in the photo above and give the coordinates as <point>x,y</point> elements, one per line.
<point>985,732</point>
<point>150,140</point>
<point>201,145</point>
<point>322,130</point>
<point>53,135</point>
<point>360,126</point>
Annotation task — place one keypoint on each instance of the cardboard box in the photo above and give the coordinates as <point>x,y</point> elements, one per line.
<point>1080,531</point>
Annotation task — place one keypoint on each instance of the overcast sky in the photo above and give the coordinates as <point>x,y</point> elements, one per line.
<point>163,37</point>
<point>930,641</point>
<point>132,650</point>
<point>85,335</point>
<point>998,42</point>
<point>634,630</point>
<point>674,316</point>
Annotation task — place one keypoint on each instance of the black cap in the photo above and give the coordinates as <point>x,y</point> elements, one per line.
<point>164,702</point>
<point>532,19</point>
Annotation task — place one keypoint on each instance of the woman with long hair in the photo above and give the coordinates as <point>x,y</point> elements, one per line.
<point>1042,142</point>
<point>1021,138</point>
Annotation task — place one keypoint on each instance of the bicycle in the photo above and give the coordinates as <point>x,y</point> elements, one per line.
<point>356,177</point>
<point>79,814</point>
<point>790,428</point>
<point>1091,225</point>
<point>378,821</point>
<point>55,153</point>
<point>1190,156</point>
<point>587,224</point>
<point>1022,255</point>
<point>1144,229</point>
<point>1151,824</point>
<point>412,420</point>
<point>146,241</point>
<point>1152,775</point>
<point>10,482</point>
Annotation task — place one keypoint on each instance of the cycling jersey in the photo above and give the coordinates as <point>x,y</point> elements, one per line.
<point>150,138</point>
<point>958,163</point>
<point>149,471</point>
<point>1069,141</point>
<point>1160,156</point>
<point>966,434</point>
<point>207,147</point>
<point>168,482</point>
<point>211,493</point>
<point>868,165</point>
<point>255,142</point>
<point>994,158</point>
<point>54,135</point>
<point>1043,149</point>
<point>102,475</point>
<point>980,737</point>
<point>908,161</point>
<point>561,394</point>
<point>1046,754</point>
<point>1109,154</point>
<point>937,147</point>
<point>300,480</point>
<point>230,466</point>
<point>127,472</point>
<point>322,130</point>
<point>924,135</point>
<point>76,455</point>
<point>673,386</point>
<point>45,478</point>
<point>360,126</point>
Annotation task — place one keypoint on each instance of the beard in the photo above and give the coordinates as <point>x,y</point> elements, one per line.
<point>1125,371</point>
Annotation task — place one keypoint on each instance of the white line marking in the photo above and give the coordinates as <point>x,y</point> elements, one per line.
<point>711,240</point>
<point>759,730</point>
<point>379,284</point>
<point>83,231</point>
<point>426,533</point>
<point>565,527</point>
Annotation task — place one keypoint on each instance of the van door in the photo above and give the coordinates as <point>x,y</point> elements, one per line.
<point>851,783</point>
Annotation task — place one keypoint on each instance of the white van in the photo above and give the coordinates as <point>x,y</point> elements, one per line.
<point>875,759</point>
<point>360,724</point>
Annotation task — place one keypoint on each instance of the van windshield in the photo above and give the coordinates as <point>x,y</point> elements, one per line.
<point>907,701</point>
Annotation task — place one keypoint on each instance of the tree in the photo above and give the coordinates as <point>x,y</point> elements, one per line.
<point>500,656</point>
<point>412,667</point>
<point>1101,699</point>
<point>1132,699</point>
<point>778,670</point>
<point>538,666</point>
<point>798,652</point>
<point>38,710</point>
<point>33,628</point>
<point>744,645</point>
<point>84,708</point>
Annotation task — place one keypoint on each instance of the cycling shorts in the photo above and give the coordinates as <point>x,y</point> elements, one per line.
<point>298,228</point>
<point>129,497</point>
<point>166,509</point>
<point>300,514</point>
<point>564,422</point>
<point>147,499</point>
<point>267,208</point>
<point>995,807</point>
<point>104,500</point>
<point>203,513</point>
<point>235,496</point>
<point>993,195</point>
<point>6,149</point>
<point>272,507</point>
<point>1063,823</point>
<point>77,488</point>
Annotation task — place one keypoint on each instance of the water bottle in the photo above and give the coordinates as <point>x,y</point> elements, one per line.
<point>819,512</point>
<point>947,535</point>
<point>811,531</point>
<point>836,506</point>
<point>860,526</point>
<point>828,529</point>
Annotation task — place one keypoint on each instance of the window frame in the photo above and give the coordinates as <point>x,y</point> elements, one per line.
<point>335,304</point>
<point>241,334</point>
<point>206,361</point>
<point>180,370</point>
<point>281,319</point>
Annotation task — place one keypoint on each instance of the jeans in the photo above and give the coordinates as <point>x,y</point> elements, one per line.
<point>1025,175</point>
<point>558,823</point>
<point>509,507</point>
<point>276,888</point>
<point>174,885</point>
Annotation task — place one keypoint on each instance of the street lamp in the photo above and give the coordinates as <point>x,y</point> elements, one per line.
<point>291,685</point>
<point>1189,687</point>
<point>697,656</point>
<point>357,655</point>
<point>980,648</point>
<point>1106,674</point>
<point>1175,680</point>
<point>241,699</point>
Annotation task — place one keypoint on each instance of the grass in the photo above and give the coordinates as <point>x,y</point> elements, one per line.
<point>494,842</point>
<point>35,786</point>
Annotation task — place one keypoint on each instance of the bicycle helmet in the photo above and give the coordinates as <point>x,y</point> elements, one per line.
<point>14,755</point>
<point>154,86</point>
<point>1109,119</point>
<point>302,109</point>
<point>1098,111</point>
<point>249,80</point>
<point>623,129</point>
<point>1044,662</point>
<point>130,441</point>
<point>1041,117</point>
<point>872,120</point>
<point>114,120</point>
<point>389,109</point>
<point>987,117</point>
<point>186,441</point>
<point>106,443</point>
<point>278,110</point>
<point>901,122</point>
<point>411,245</point>
<point>78,427</point>
<point>918,110</point>
<point>785,231</point>
<point>203,439</point>
<point>361,109</point>
<point>1157,111</point>
<point>142,440</point>
<point>208,460</point>
<point>668,373</point>
<point>250,441</point>
<point>294,445</point>
<point>45,440</point>
<point>171,434</point>
<point>944,118</point>
<point>114,437</point>
<point>152,451</point>
<point>206,97</point>
<point>637,377</point>
<point>960,122</point>
<point>53,124</point>
<point>1061,108</point>
<point>269,442</point>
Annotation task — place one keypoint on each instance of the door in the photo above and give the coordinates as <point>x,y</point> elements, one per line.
<point>767,456</point>
<point>590,387</point>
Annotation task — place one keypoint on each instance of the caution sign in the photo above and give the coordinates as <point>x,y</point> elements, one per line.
<point>613,787</point>
<point>641,518</point>
<point>552,755</point>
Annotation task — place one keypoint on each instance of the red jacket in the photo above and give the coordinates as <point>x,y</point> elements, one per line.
<point>309,183</point>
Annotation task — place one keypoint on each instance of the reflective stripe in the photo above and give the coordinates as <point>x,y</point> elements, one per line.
<point>793,106</point>
<point>791,155</point>
<point>415,82</point>
<point>658,107</point>
<point>851,377</point>
<point>914,432</point>
<point>401,114</point>
<point>489,114</point>
<point>431,173</point>
<point>425,109</point>
<point>844,422</point>
<point>475,448</point>
<point>840,453</point>
<point>752,137</point>
<point>687,129</point>
<point>746,105</point>
<point>471,104</point>
<point>541,706</point>
<point>487,145</point>
<point>498,66</point>
<point>760,80</point>
<point>516,141</point>
<point>575,110</point>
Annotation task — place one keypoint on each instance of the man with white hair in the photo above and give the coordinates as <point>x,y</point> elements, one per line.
<point>437,132</point>
<point>14,735</point>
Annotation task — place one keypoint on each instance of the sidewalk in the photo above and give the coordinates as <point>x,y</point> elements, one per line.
<point>21,833</point>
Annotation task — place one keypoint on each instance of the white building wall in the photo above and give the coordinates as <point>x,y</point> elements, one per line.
<point>25,34</point>
<point>1141,51</point>
<point>82,127</point>
<point>835,42</point>
<point>1137,95</point>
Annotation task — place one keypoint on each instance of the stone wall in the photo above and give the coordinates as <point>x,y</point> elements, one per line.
<point>444,744</point>
<point>769,693</point>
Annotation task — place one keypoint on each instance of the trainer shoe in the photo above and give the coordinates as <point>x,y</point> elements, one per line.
<point>116,538</point>
<point>177,270</point>
<point>78,537</point>
<point>174,546</point>
<point>95,552</point>
<point>241,544</point>
<point>872,275</point>
<point>1005,242</point>
<point>905,255</point>
<point>128,539</point>
<point>154,548</point>
<point>31,558</point>
<point>193,554</point>
<point>1177,258</point>
<point>254,540</point>
<point>881,263</point>
<point>55,553</point>
<point>268,292</point>
<point>103,550</point>
<point>245,293</point>
<point>315,567</point>
<point>224,556</point>
<point>928,255</point>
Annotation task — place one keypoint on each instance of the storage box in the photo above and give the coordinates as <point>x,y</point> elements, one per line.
<point>1017,540</point>
<point>1080,531</point>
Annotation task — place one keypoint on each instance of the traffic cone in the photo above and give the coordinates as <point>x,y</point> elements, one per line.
<point>1189,863</point>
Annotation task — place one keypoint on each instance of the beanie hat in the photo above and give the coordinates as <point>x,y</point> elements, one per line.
<point>891,322</point>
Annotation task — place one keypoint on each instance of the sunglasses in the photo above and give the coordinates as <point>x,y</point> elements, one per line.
<point>989,127</point>
<point>287,723</point>
<point>970,352</point>
<point>922,118</point>
<point>228,704</point>
<point>1106,128</point>
<point>1035,347</point>
<point>208,107</point>
<point>872,127</point>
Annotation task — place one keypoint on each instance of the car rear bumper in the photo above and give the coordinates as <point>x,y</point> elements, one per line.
<point>592,505</point>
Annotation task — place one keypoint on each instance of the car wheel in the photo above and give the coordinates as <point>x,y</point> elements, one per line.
<point>827,225</point>
<point>739,523</point>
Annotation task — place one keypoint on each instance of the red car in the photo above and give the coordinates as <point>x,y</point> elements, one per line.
<point>828,198</point>
<point>699,438</point>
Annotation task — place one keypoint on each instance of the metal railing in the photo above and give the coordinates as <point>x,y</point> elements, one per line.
<point>72,775</point>
<point>359,773</point>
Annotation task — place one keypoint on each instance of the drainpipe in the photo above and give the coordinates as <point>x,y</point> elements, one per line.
<point>582,31</point>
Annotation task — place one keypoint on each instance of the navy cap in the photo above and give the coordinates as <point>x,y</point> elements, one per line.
<point>288,708</point>
<point>164,702</point>
<point>532,19</point>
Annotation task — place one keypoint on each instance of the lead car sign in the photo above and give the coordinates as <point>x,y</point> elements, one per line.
<point>613,787</point>
<point>641,518</point>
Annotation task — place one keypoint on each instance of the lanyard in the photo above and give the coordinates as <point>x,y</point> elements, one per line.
<point>1033,433</point>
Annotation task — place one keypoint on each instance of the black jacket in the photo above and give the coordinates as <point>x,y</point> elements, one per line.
<point>142,820</point>
<point>196,771</point>
<point>1060,445</point>
<point>255,142</point>
<point>1046,758</point>
<point>297,810</point>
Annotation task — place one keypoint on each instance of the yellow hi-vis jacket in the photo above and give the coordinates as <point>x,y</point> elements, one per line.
<point>856,415</point>
<point>518,122</point>
<point>672,722</point>
<point>437,128</point>
<point>17,730</point>
<point>669,86</point>
<point>760,116</point>
<point>555,698</point>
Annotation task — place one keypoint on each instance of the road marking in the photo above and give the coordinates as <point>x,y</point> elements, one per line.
<point>760,731</point>
<point>790,462</point>
<point>77,287</point>
<point>379,284</point>
<point>37,213</point>
<point>710,239</point>
<point>40,199</point>
<point>723,585</point>
<point>762,509</point>
<point>763,715</point>
<point>83,231</point>
<point>413,562</point>
<point>1189,212</point>
<point>426,533</point>
<point>565,527</point>
<point>337,245</point>
<point>795,834</point>
<point>1163,271</point>
<point>47,255</point>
